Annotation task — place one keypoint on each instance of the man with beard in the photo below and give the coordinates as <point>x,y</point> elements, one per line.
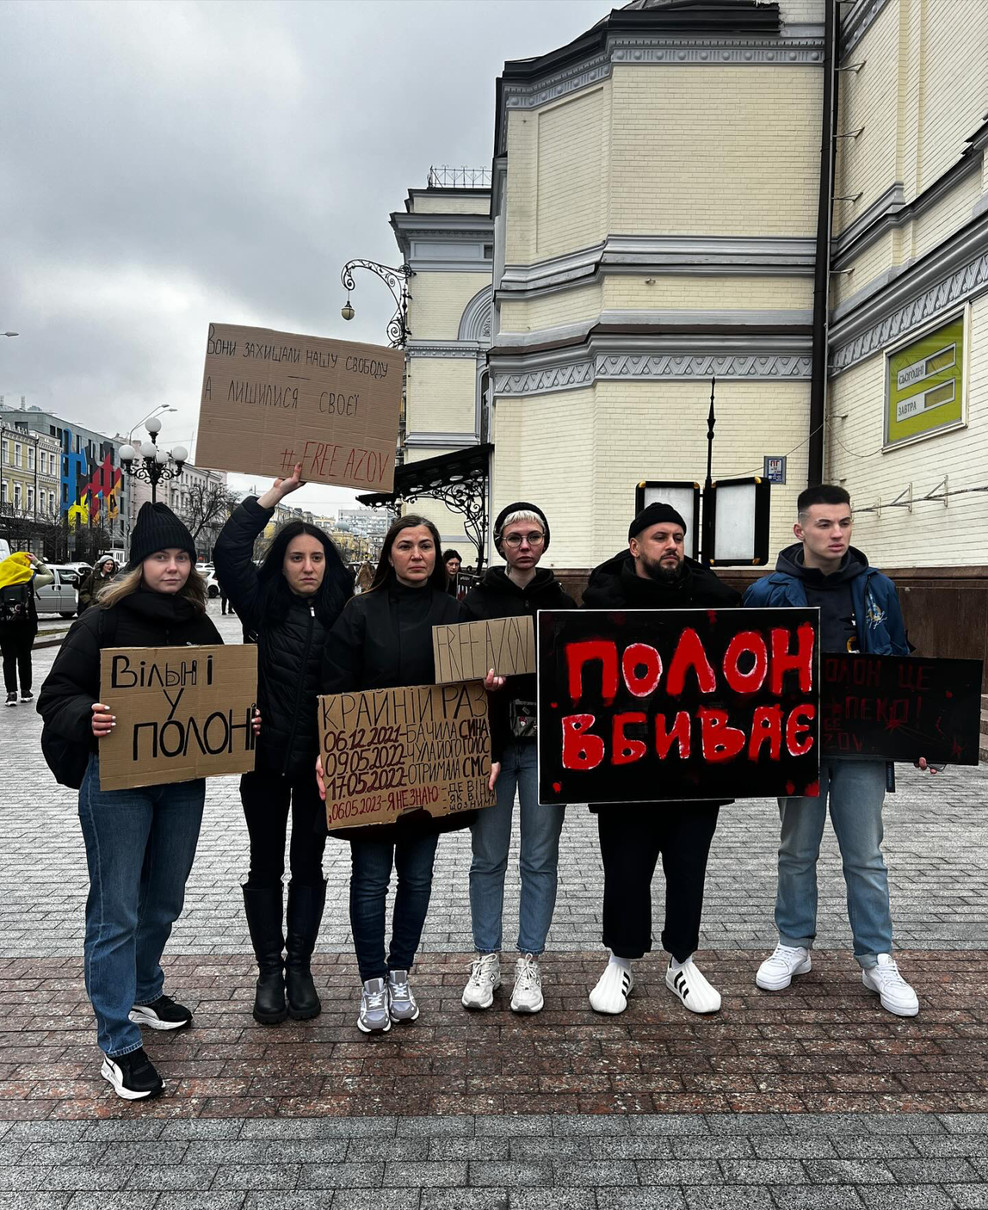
<point>654,573</point>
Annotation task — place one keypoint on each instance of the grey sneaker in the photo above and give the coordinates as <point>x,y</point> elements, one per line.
<point>485,979</point>
<point>402,1002</point>
<point>527,994</point>
<point>374,1017</point>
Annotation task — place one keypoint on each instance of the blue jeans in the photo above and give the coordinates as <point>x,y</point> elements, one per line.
<point>856,791</point>
<point>539,859</point>
<point>140,845</point>
<point>370,876</point>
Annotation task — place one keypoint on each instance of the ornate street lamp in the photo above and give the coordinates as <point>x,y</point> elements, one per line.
<point>150,464</point>
<point>397,282</point>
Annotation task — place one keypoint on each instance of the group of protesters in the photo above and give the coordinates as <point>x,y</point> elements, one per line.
<point>314,637</point>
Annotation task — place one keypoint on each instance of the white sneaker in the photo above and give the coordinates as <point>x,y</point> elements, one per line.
<point>526,996</point>
<point>613,989</point>
<point>374,1016</point>
<point>692,988</point>
<point>777,970</point>
<point>485,979</point>
<point>897,996</point>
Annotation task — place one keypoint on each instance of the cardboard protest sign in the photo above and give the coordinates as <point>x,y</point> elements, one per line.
<point>272,399</point>
<point>901,707</point>
<point>468,650</point>
<point>388,752</point>
<point>677,704</point>
<point>182,713</point>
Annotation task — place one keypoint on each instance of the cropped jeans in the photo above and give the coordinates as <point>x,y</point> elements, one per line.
<point>854,791</point>
<point>140,845</point>
<point>538,861</point>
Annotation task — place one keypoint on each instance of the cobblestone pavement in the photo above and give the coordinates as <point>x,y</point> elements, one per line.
<point>814,1097</point>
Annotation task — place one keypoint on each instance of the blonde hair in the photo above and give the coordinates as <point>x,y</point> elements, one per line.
<point>128,582</point>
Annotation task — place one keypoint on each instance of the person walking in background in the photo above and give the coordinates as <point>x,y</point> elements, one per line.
<point>140,843</point>
<point>521,537</point>
<point>453,562</point>
<point>383,640</point>
<point>21,575</point>
<point>365,576</point>
<point>98,578</point>
<point>290,603</point>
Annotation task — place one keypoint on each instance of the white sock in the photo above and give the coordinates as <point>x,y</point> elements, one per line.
<point>678,966</point>
<point>623,963</point>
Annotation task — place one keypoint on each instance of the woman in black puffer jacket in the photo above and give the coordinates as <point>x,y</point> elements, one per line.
<point>290,603</point>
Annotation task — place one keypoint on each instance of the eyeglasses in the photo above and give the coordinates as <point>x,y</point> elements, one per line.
<point>533,539</point>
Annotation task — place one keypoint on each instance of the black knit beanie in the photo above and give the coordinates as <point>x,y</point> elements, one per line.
<point>157,528</point>
<point>652,515</point>
<point>520,506</point>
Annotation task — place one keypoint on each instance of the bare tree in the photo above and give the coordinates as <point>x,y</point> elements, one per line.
<point>208,506</point>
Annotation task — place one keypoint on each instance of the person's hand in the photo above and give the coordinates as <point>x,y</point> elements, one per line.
<point>103,720</point>
<point>492,682</point>
<point>495,770</point>
<point>257,721</point>
<point>924,764</point>
<point>282,487</point>
<point>320,779</point>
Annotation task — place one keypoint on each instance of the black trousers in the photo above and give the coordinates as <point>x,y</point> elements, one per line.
<point>266,798</point>
<point>16,640</point>
<point>631,839</point>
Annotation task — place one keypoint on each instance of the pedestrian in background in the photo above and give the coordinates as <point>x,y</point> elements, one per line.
<point>288,605</point>
<point>95,582</point>
<point>21,575</point>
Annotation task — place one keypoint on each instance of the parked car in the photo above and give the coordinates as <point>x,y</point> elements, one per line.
<point>76,572</point>
<point>62,596</point>
<point>212,584</point>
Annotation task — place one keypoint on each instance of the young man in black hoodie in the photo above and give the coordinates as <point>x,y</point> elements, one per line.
<point>521,536</point>
<point>654,573</point>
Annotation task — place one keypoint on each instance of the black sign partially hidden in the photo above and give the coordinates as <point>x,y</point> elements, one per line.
<point>646,705</point>
<point>901,707</point>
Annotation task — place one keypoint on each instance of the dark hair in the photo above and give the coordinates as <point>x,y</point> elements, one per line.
<point>331,595</point>
<point>823,493</point>
<point>451,554</point>
<point>385,571</point>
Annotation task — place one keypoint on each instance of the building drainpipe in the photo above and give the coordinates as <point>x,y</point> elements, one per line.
<point>821,274</point>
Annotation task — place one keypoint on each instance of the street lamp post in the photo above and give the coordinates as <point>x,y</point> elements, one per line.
<point>397,282</point>
<point>150,464</point>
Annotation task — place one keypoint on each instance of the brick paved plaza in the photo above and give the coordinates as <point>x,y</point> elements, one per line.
<point>814,1097</point>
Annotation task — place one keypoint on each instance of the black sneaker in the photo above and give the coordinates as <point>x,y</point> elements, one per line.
<point>163,1013</point>
<point>27,697</point>
<point>11,699</point>
<point>132,1075</point>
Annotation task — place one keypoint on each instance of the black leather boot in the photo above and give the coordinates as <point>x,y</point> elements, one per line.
<point>305,904</point>
<point>263,906</point>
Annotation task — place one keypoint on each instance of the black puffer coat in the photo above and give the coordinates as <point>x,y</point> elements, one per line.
<point>497,596</point>
<point>383,640</point>
<point>144,619</point>
<point>291,634</point>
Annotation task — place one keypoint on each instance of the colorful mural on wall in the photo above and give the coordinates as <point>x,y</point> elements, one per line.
<point>90,490</point>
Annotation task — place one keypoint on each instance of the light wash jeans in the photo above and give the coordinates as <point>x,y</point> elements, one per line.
<point>140,845</point>
<point>491,833</point>
<point>855,790</point>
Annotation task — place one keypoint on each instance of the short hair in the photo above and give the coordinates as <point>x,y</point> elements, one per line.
<point>522,514</point>
<point>451,554</point>
<point>823,493</point>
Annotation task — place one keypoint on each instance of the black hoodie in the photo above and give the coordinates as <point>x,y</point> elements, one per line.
<point>830,594</point>
<point>497,596</point>
<point>617,585</point>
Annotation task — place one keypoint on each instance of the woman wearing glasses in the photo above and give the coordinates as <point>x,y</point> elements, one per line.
<point>521,537</point>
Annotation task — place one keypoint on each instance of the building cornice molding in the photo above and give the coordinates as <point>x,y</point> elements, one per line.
<point>453,441</point>
<point>857,21</point>
<point>949,277</point>
<point>469,351</point>
<point>749,256</point>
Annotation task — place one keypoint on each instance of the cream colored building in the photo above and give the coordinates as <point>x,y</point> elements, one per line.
<point>656,209</point>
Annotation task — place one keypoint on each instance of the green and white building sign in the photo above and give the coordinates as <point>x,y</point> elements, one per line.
<point>924,385</point>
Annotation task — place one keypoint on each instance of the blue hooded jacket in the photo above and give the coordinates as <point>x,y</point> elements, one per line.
<point>881,630</point>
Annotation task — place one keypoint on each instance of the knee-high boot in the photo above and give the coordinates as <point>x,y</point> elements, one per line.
<point>305,906</point>
<point>263,907</point>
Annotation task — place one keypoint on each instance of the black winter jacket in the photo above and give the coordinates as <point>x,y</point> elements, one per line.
<point>616,585</point>
<point>144,619</point>
<point>290,646</point>
<point>497,596</point>
<point>383,640</point>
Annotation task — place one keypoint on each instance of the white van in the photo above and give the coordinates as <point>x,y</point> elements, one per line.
<point>4,548</point>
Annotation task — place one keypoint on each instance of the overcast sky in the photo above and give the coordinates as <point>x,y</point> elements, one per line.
<point>168,164</point>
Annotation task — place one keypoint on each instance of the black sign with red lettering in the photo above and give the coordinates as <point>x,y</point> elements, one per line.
<point>647,704</point>
<point>901,707</point>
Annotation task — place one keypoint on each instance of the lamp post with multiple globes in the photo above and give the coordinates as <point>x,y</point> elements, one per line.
<point>151,464</point>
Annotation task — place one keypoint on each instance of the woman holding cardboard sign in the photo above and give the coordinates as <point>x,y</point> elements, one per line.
<point>383,640</point>
<point>140,843</point>
<point>290,603</point>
